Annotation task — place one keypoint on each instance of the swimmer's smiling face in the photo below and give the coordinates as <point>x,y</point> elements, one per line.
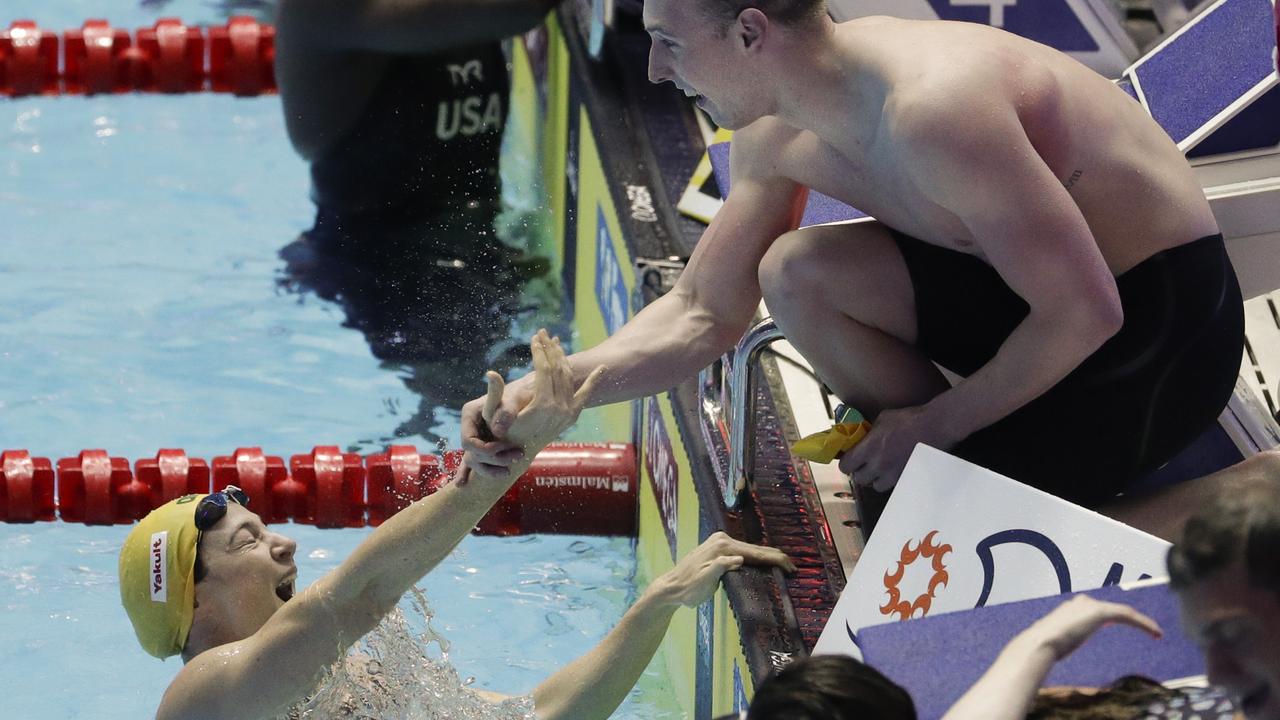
<point>1238,626</point>
<point>718,64</point>
<point>249,570</point>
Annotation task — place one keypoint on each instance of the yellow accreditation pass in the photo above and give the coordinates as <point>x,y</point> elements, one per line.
<point>825,446</point>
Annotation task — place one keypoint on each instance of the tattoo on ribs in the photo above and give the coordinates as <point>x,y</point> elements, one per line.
<point>1071,181</point>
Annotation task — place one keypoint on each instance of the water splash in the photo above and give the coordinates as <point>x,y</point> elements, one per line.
<point>389,674</point>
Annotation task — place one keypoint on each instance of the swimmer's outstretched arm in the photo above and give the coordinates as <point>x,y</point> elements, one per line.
<point>703,316</point>
<point>266,673</point>
<point>595,684</point>
<point>1008,689</point>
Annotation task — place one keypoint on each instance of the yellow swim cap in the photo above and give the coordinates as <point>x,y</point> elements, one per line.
<point>157,576</point>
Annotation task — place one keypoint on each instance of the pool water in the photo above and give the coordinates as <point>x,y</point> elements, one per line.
<point>142,306</point>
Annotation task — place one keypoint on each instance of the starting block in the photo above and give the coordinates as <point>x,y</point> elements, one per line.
<point>1213,86</point>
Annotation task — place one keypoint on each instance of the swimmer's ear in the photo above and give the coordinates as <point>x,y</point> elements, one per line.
<point>751,27</point>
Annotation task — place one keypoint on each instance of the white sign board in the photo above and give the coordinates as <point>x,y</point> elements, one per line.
<point>956,536</point>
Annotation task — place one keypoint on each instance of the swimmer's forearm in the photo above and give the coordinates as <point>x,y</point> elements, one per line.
<point>595,684</point>
<point>1038,354</point>
<point>670,340</point>
<point>415,540</point>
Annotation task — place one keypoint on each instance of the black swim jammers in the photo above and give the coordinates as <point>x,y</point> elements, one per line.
<point>1146,394</point>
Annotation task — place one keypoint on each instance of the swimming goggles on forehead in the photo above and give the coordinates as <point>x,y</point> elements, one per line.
<point>213,507</point>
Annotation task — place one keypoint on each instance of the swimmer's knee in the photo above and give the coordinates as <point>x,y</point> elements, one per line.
<point>792,270</point>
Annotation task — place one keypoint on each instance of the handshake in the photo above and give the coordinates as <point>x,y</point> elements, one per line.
<point>505,429</point>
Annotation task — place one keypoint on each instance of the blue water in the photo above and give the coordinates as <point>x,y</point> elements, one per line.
<point>140,308</point>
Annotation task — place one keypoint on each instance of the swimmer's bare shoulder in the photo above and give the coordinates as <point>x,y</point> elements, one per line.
<point>763,152</point>
<point>264,674</point>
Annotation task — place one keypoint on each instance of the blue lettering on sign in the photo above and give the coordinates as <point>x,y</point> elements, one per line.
<point>705,654</point>
<point>1116,573</point>
<point>1025,537</point>
<point>1040,542</point>
<point>739,692</point>
<point>660,461</point>
<point>1052,22</point>
<point>611,291</point>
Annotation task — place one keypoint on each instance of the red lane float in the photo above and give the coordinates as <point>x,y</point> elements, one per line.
<point>571,488</point>
<point>26,487</point>
<point>169,57</point>
<point>242,57</point>
<point>261,476</point>
<point>172,57</point>
<point>335,481</point>
<point>28,60</point>
<point>171,474</point>
<point>96,59</point>
<point>89,488</point>
<point>399,476</point>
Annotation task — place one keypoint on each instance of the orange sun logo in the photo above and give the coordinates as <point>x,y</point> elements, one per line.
<point>926,549</point>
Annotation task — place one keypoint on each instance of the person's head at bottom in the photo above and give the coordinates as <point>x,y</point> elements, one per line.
<point>830,687</point>
<point>1226,570</point>
<point>203,570</point>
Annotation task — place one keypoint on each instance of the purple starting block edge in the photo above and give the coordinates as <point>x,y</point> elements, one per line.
<point>820,210</point>
<point>1206,67</point>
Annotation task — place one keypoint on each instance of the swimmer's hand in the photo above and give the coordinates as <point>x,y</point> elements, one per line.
<point>487,420</point>
<point>879,459</point>
<point>486,454</point>
<point>695,578</point>
<point>553,406</point>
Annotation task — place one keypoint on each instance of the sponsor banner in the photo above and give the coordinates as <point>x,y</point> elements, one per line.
<point>956,536</point>
<point>660,461</point>
<point>611,289</point>
<point>705,654</point>
<point>704,650</point>
<point>612,483</point>
<point>160,566</point>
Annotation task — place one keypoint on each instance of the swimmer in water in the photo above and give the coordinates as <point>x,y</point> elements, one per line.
<point>1036,233</point>
<point>201,576</point>
<point>399,109</point>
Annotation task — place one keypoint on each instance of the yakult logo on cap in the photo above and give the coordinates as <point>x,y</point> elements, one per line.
<point>159,577</point>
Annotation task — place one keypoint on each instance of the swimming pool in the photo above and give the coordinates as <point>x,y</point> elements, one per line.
<point>515,610</point>
<point>141,306</point>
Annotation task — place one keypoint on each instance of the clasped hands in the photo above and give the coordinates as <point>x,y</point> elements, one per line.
<point>510,424</point>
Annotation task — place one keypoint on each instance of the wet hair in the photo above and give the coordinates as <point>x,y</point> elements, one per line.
<point>1242,525</point>
<point>830,687</point>
<point>1123,699</point>
<point>788,12</point>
